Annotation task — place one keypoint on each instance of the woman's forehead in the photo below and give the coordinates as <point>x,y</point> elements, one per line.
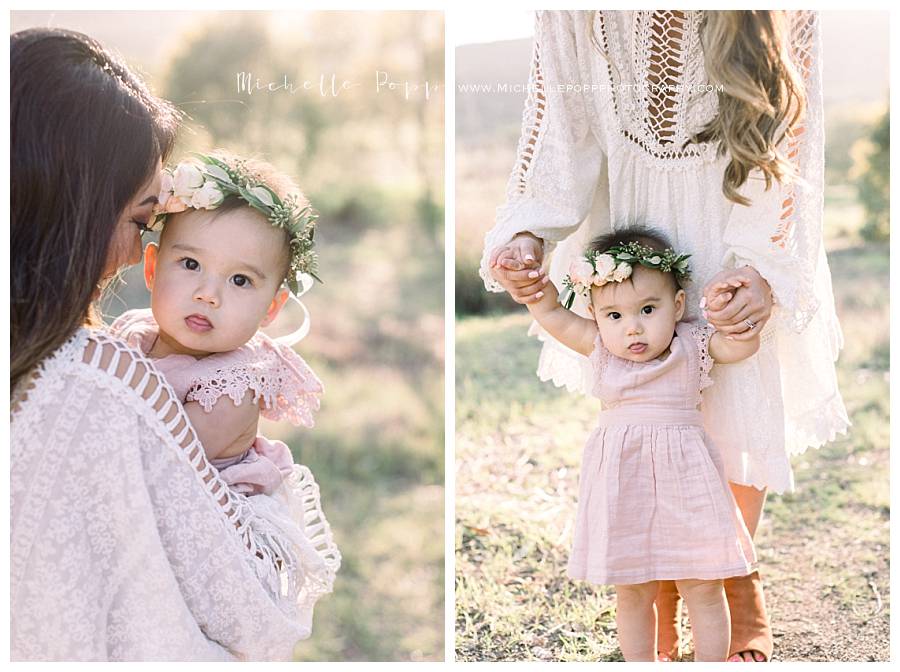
<point>149,191</point>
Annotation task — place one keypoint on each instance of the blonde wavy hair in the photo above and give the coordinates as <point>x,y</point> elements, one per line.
<point>762,93</point>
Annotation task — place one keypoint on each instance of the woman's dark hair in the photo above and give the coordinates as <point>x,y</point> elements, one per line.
<point>634,233</point>
<point>85,135</point>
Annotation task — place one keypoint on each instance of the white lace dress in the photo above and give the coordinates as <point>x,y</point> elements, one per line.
<point>613,152</point>
<point>125,544</point>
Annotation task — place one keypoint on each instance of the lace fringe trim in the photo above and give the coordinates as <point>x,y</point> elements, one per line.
<point>700,334</point>
<point>268,555</point>
<point>319,579</point>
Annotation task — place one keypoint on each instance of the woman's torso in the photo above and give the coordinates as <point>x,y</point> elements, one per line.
<point>117,544</point>
<point>653,94</point>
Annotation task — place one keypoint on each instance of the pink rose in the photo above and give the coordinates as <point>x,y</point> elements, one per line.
<point>622,272</point>
<point>580,271</point>
<point>174,204</point>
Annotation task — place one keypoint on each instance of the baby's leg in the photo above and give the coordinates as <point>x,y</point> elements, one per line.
<point>636,620</point>
<point>710,620</point>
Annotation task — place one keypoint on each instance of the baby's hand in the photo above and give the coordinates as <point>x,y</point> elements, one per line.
<point>717,295</point>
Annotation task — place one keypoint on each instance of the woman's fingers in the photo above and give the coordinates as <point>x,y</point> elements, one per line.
<point>530,293</point>
<point>525,276</point>
<point>531,298</point>
<point>757,317</point>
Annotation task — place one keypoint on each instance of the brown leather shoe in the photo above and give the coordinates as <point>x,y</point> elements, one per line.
<point>750,628</point>
<point>668,619</point>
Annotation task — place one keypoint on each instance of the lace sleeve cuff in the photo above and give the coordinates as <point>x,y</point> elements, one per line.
<point>701,333</point>
<point>599,358</point>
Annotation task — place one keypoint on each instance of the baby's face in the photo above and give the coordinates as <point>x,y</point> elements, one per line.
<point>215,279</point>
<point>637,317</point>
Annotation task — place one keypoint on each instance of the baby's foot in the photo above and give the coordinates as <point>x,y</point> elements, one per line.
<point>747,657</point>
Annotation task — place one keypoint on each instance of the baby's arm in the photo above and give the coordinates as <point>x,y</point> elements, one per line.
<point>228,429</point>
<point>571,330</point>
<point>726,351</point>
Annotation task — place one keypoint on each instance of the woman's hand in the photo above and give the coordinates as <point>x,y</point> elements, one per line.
<point>517,267</point>
<point>735,297</point>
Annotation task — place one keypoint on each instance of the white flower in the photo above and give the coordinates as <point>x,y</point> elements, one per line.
<point>605,264</point>
<point>208,196</point>
<point>186,179</point>
<point>166,185</point>
<point>580,271</point>
<point>623,271</point>
<point>654,260</point>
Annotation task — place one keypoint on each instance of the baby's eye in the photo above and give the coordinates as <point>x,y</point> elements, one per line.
<point>241,280</point>
<point>646,310</point>
<point>190,264</point>
<point>614,315</point>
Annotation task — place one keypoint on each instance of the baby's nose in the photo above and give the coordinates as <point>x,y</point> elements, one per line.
<point>208,295</point>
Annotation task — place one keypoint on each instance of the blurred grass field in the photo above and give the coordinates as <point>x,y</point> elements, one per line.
<point>823,549</point>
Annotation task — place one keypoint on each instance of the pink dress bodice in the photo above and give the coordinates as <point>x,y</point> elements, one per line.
<point>674,382</point>
<point>273,373</point>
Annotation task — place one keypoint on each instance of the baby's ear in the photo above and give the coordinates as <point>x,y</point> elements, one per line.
<point>151,256</point>
<point>281,297</point>
<point>680,304</point>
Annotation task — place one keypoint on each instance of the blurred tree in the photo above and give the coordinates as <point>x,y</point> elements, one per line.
<point>871,174</point>
<point>203,80</point>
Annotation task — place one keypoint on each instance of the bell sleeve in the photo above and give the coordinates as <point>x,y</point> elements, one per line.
<point>780,232</point>
<point>559,158</point>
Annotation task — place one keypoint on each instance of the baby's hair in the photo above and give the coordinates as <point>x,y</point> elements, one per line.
<point>261,171</point>
<point>634,233</point>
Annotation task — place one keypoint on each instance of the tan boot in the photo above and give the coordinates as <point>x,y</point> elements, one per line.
<point>668,611</point>
<point>750,629</point>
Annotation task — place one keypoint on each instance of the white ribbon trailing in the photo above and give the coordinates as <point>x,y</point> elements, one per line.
<point>306,283</point>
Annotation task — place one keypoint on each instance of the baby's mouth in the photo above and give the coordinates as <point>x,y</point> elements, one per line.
<point>637,348</point>
<point>198,323</point>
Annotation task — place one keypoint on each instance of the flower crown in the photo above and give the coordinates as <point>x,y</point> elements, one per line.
<point>205,185</point>
<point>616,264</point>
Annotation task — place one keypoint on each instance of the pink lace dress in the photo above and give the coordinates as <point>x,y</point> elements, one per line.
<point>286,493</point>
<point>654,503</point>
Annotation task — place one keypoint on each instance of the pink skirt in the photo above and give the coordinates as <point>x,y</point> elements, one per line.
<point>654,503</point>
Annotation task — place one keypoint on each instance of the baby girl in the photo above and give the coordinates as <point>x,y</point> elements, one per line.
<point>237,240</point>
<point>654,504</point>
